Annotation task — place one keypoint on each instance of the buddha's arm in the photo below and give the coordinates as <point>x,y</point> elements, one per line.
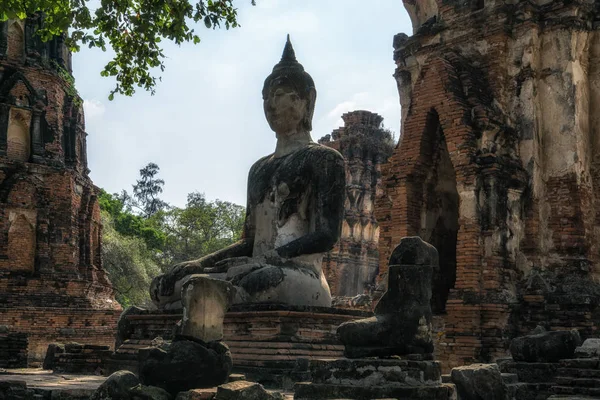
<point>329,189</point>
<point>164,285</point>
<point>241,248</point>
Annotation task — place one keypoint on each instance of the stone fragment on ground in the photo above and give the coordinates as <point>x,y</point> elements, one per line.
<point>124,385</point>
<point>589,349</point>
<point>188,363</point>
<point>479,382</point>
<point>545,347</point>
<point>244,390</point>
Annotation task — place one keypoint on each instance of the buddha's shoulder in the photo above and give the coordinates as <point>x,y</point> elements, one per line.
<point>323,153</point>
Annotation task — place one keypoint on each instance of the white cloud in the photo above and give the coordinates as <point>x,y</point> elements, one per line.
<point>93,109</point>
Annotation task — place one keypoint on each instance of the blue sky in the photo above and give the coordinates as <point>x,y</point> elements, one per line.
<point>205,126</point>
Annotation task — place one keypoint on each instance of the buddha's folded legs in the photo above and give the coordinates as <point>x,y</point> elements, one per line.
<point>295,286</point>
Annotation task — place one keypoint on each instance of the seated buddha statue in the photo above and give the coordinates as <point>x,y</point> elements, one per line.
<point>294,208</point>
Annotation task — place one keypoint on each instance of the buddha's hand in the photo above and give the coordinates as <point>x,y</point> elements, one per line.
<point>227,263</point>
<point>271,257</point>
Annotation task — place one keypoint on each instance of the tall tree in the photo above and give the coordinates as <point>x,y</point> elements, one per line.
<point>147,189</point>
<point>134,30</point>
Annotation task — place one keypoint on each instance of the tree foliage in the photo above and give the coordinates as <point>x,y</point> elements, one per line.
<point>129,263</point>
<point>201,228</point>
<point>133,28</point>
<point>146,191</point>
<point>138,246</point>
<point>128,224</point>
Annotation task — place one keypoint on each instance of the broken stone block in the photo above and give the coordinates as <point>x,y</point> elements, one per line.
<point>187,363</point>
<point>479,382</point>
<point>116,386</point>
<point>205,301</point>
<point>244,390</point>
<point>545,347</point>
<point>402,321</point>
<point>589,349</point>
<point>53,349</point>
<point>149,393</point>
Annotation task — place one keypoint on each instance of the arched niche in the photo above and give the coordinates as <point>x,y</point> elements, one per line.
<point>18,138</point>
<point>21,242</point>
<point>440,209</point>
<point>16,41</point>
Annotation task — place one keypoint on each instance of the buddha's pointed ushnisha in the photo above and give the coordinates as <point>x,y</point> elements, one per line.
<point>288,52</point>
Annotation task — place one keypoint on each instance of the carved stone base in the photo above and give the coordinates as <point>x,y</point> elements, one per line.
<point>374,379</point>
<point>266,341</point>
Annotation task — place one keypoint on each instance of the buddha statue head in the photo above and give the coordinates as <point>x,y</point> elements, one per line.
<point>289,95</point>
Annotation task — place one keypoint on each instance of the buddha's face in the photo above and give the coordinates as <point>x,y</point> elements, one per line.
<point>285,109</point>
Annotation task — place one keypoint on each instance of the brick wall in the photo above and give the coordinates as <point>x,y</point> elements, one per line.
<point>52,284</point>
<point>493,84</point>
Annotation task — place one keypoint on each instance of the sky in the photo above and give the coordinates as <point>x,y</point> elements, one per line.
<point>205,125</point>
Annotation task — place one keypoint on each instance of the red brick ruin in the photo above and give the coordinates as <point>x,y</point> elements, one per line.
<point>498,167</point>
<point>52,285</point>
<point>352,266</point>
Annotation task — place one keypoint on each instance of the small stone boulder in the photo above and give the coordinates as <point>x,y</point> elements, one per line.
<point>124,385</point>
<point>545,347</point>
<point>188,363</point>
<point>479,382</point>
<point>589,349</point>
<point>244,390</point>
<point>116,386</point>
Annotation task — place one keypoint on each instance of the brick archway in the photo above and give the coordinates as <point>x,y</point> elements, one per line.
<point>439,100</point>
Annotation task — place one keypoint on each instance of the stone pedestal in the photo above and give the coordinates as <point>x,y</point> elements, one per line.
<point>267,342</point>
<point>374,379</point>
<point>205,302</point>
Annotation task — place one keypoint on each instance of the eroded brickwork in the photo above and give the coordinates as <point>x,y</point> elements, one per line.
<point>352,266</point>
<point>52,284</point>
<point>498,166</point>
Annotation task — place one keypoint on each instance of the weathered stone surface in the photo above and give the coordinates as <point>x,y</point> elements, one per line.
<point>374,372</point>
<point>589,349</point>
<point>295,207</point>
<point>124,385</point>
<point>205,301</point>
<point>402,321</point>
<point>414,251</point>
<point>13,350</point>
<point>116,386</point>
<point>188,363</point>
<point>124,328</point>
<point>197,394</point>
<point>244,390</point>
<point>53,349</point>
<point>479,382</point>
<point>149,393</point>
<point>314,391</point>
<point>545,347</point>
<point>531,372</point>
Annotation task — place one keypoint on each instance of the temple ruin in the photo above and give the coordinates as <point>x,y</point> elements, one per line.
<point>497,166</point>
<point>52,285</point>
<point>352,266</point>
